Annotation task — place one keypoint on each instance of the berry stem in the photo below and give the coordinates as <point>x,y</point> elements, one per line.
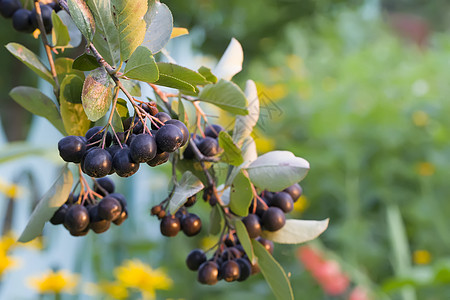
<point>163,97</point>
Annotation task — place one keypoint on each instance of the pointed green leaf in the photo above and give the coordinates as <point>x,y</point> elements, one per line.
<point>175,83</point>
<point>231,153</point>
<point>240,195</point>
<point>106,38</point>
<point>31,60</point>
<point>216,220</point>
<point>128,18</point>
<point>85,62</point>
<point>75,120</point>
<point>63,66</point>
<point>97,94</point>
<point>117,121</point>
<point>159,26</point>
<point>297,231</point>
<point>188,186</point>
<point>60,33</point>
<point>243,237</point>
<point>39,104</point>
<point>276,170</point>
<point>226,95</point>
<point>273,273</point>
<point>184,74</point>
<point>82,17</point>
<point>50,202</point>
<point>206,72</point>
<point>142,66</point>
<point>132,87</point>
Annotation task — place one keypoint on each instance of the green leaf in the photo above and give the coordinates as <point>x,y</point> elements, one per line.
<point>243,126</point>
<point>50,202</point>
<point>63,66</point>
<point>175,83</point>
<point>117,121</point>
<point>132,87</point>
<point>31,60</point>
<point>297,231</point>
<point>106,38</point>
<point>273,273</point>
<point>231,61</point>
<point>206,72</point>
<point>15,150</point>
<point>276,170</point>
<point>243,237</point>
<point>231,153</point>
<point>74,33</point>
<point>74,118</point>
<point>181,73</point>
<point>226,95</point>
<point>60,33</point>
<point>128,17</point>
<point>240,195</point>
<point>188,186</point>
<point>85,62</point>
<point>216,220</point>
<point>122,108</point>
<point>181,111</point>
<point>159,26</point>
<point>142,66</point>
<point>97,94</point>
<point>249,154</point>
<point>39,104</point>
<point>82,17</point>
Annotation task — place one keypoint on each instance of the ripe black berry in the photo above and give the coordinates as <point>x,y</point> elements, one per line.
<point>143,148</point>
<point>273,219</point>
<point>230,270</point>
<point>169,138</point>
<point>208,273</point>
<point>195,258</point>
<point>159,159</point>
<point>123,216</point>
<point>46,12</point>
<point>96,223</point>
<point>294,190</point>
<point>76,219</point>
<point>94,135</point>
<point>122,200</point>
<point>104,186</point>
<point>208,146</point>
<point>190,201</point>
<point>59,215</point>
<point>191,224</point>
<point>138,126</point>
<point>97,163</point>
<point>283,201</point>
<point>266,243</point>
<point>213,130</point>
<point>21,20</point>
<point>71,148</point>
<point>183,129</point>
<point>163,117</point>
<point>245,269</point>
<point>170,225</point>
<point>123,164</point>
<point>252,225</point>
<point>109,208</point>
<point>9,7</point>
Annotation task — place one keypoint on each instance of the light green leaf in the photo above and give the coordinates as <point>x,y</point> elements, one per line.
<point>231,61</point>
<point>63,66</point>
<point>31,60</point>
<point>132,87</point>
<point>240,195</point>
<point>276,170</point>
<point>273,273</point>
<point>231,153</point>
<point>74,33</point>
<point>117,121</point>
<point>122,108</point>
<point>74,118</point>
<point>60,33</point>
<point>297,231</point>
<point>181,111</point>
<point>243,237</point>
<point>216,220</point>
<point>50,202</point>
<point>85,62</point>
<point>175,83</point>
<point>39,104</point>
<point>128,18</point>
<point>249,154</point>
<point>15,150</point>
<point>226,95</point>
<point>82,17</point>
<point>142,66</point>
<point>97,94</point>
<point>243,126</point>
<point>206,72</point>
<point>106,38</point>
<point>188,186</point>
<point>159,26</point>
<point>182,73</point>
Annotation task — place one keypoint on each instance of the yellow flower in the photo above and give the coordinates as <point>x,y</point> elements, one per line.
<point>7,242</point>
<point>425,169</point>
<point>112,289</point>
<point>301,204</point>
<point>10,190</point>
<point>54,282</point>
<point>6,262</point>
<point>420,118</point>
<point>421,257</point>
<point>136,274</point>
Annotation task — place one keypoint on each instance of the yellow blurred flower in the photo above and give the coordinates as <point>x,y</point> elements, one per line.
<point>112,289</point>
<point>301,204</point>
<point>54,282</point>
<point>274,92</point>
<point>10,190</point>
<point>136,274</point>
<point>7,242</point>
<point>420,118</point>
<point>6,262</point>
<point>425,169</point>
<point>421,257</point>
<point>263,144</point>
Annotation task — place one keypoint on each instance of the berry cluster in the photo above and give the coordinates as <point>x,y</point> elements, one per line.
<point>208,146</point>
<point>25,20</point>
<point>98,155</point>
<point>93,210</point>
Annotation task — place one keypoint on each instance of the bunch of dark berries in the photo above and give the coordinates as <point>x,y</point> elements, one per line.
<point>25,20</point>
<point>92,210</point>
<point>98,155</point>
<point>208,146</point>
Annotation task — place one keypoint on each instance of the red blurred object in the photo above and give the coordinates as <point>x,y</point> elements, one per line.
<point>411,27</point>
<point>358,293</point>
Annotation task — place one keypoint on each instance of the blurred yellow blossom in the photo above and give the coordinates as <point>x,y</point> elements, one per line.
<point>263,144</point>
<point>421,257</point>
<point>54,282</point>
<point>425,169</point>
<point>6,262</point>
<point>420,118</point>
<point>10,190</point>
<point>111,289</point>
<point>7,242</point>
<point>274,92</point>
<point>136,274</point>
<point>301,204</point>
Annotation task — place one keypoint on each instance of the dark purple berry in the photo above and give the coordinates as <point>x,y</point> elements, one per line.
<point>283,201</point>
<point>123,164</point>
<point>122,217</point>
<point>230,270</point>
<point>170,225</point>
<point>94,136</point>
<point>273,219</point>
<point>266,243</point>
<point>195,258</point>
<point>294,190</point>
<point>253,225</point>
<point>169,138</point>
<point>121,198</point>
<point>208,273</point>
<point>9,7</point>
<point>21,20</point>
<point>59,215</point>
<point>109,208</point>
<point>209,146</point>
<point>104,186</point>
<point>96,223</point>
<point>213,130</point>
<point>46,12</point>
<point>143,148</point>
<point>137,125</point>
<point>76,218</point>
<point>191,224</point>
<point>245,269</point>
<point>183,129</point>
<point>163,117</point>
<point>71,148</point>
<point>159,159</point>
<point>97,163</point>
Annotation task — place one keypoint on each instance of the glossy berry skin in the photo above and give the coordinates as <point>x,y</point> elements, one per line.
<point>21,20</point>
<point>169,138</point>
<point>189,151</point>
<point>71,148</point>
<point>143,148</point>
<point>231,252</point>
<point>76,219</point>
<point>109,208</point>
<point>123,216</point>
<point>195,258</point>
<point>106,184</point>
<point>213,130</point>
<point>208,146</point>
<point>138,127</point>
<point>149,108</point>
<point>273,219</point>
<point>266,243</point>
<point>170,226</point>
<point>159,159</point>
<point>295,191</point>
<point>208,273</point>
<point>121,198</point>
<point>183,129</point>
<point>59,215</point>
<point>93,135</point>
<point>245,269</point>
<point>123,164</point>
<point>230,270</point>
<point>253,225</point>
<point>97,163</point>
<point>46,12</point>
<point>163,117</point>
<point>96,223</point>
<point>283,201</point>
<point>112,150</point>
<point>191,224</point>
<point>9,7</point>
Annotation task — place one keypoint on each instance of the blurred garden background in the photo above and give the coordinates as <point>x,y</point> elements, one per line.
<point>361,89</point>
